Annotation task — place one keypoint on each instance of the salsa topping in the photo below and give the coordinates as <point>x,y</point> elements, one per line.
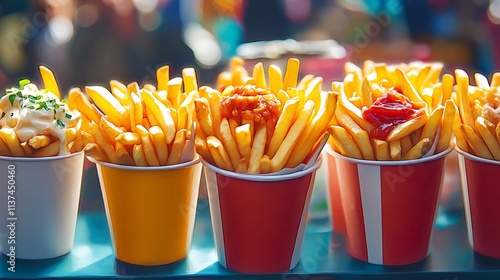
<point>242,100</point>
<point>388,111</point>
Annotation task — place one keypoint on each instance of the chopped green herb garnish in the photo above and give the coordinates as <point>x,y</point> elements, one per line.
<point>68,116</point>
<point>11,99</point>
<point>61,124</point>
<point>23,83</point>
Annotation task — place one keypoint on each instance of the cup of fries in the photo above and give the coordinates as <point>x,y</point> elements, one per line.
<point>41,179</point>
<point>141,142</point>
<point>260,146</point>
<point>477,131</point>
<point>389,138</point>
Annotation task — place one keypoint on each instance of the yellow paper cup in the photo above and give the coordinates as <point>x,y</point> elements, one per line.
<point>150,210</point>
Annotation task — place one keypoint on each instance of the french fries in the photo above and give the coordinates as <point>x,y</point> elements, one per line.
<point>36,123</point>
<point>397,112</point>
<point>148,126</point>
<point>253,125</point>
<point>477,126</point>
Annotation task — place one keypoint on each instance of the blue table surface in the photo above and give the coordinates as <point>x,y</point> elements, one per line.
<point>324,255</point>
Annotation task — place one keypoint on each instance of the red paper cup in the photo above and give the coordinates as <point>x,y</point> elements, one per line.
<point>333,193</point>
<point>481,193</point>
<point>259,220</point>
<point>390,207</point>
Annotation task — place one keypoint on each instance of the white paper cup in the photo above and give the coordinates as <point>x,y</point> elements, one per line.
<point>390,207</point>
<point>481,194</point>
<point>39,214</point>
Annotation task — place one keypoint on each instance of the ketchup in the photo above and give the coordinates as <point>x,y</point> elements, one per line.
<point>264,106</point>
<point>388,111</point>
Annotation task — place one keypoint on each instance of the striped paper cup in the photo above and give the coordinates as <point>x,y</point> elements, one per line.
<point>390,207</point>
<point>259,220</point>
<point>333,193</point>
<point>481,193</point>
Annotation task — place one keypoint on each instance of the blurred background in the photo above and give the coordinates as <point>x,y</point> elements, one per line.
<point>93,41</point>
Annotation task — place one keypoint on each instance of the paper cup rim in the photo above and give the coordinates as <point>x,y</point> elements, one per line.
<point>39,159</point>
<point>476,158</point>
<point>144,168</point>
<point>264,178</point>
<point>331,152</point>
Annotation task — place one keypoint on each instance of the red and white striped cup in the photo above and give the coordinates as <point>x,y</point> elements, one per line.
<point>333,193</point>
<point>481,194</point>
<point>259,220</point>
<point>390,207</point>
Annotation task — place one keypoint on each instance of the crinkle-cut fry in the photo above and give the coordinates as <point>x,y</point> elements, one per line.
<point>162,77</point>
<point>282,125</point>
<point>109,129</point>
<point>39,141</point>
<point>354,112</point>
<point>139,156</point>
<point>476,143</point>
<point>445,133</point>
<point>395,149</point>
<point>460,139</point>
<point>489,138</point>
<point>431,126</point>
<point>122,154</point>
<point>315,129</point>
<point>49,80</point>
<point>407,128</point>
<point>229,142</point>
<point>205,121</point>
<point>78,101</point>
<point>408,89</point>
<point>244,140</point>
<point>344,142</point>
<point>279,160</point>
<point>26,148</point>
<point>108,104</point>
<point>219,153</point>
<point>92,150</point>
<point>149,150</point>
<point>462,91</point>
<point>304,82</point>
<point>291,73</point>
<point>159,143</point>
<point>381,149</point>
<point>418,150</point>
<point>10,139</point>
<point>177,147</point>
<point>275,78</point>
<point>259,75</point>
<point>100,139</point>
<point>258,147</point>
<point>360,136</point>
<point>163,115</point>
<point>50,150</point>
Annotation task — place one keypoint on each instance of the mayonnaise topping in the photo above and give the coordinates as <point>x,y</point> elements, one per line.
<point>31,112</point>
